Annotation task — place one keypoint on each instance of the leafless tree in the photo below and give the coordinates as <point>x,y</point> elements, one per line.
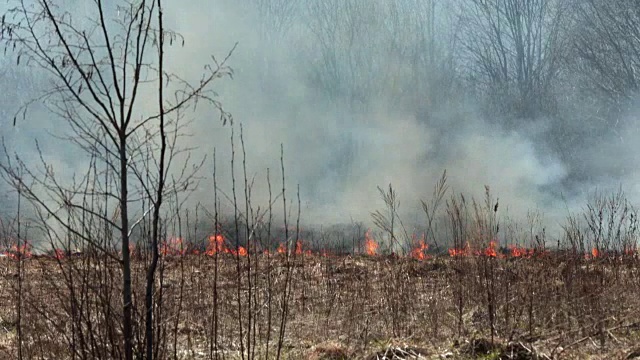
<point>103,69</point>
<point>275,21</point>
<point>277,16</point>
<point>338,29</point>
<point>513,51</point>
<point>606,42</point>
<point>398,52</point>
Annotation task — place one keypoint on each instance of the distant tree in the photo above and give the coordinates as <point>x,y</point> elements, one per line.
<point>513,52</point>
<point>367,52</point>
<point>277,17</point>
<point>606,45</point>
<point>344,65</point>
<point>275,22</point>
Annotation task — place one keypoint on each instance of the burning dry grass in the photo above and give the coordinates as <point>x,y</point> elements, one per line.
<point>557,305</point>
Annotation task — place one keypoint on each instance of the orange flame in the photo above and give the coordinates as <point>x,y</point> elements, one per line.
<point>173,246</point>
<point>516,251</point>
<point>490,251</point>
<point>241,251</point>
<point>282,248</point>
<point>465,251</point>
<point>216,245</point>
<point>298,247</point>
<point>16,252</point>
<point>371,247</point>
<point>420,251</point>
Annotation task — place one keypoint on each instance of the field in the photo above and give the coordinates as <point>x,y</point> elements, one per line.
<point>517,305</point>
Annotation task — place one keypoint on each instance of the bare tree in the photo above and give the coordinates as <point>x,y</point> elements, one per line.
<point>277,17</point>
<point>366,52</point>
<point>103,68</point>
<point>275,21</point>
<point>513,51</point>
<point>606,42</point>
<point>338,29</point>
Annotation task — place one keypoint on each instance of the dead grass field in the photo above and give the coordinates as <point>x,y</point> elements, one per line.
<point>341,307</point>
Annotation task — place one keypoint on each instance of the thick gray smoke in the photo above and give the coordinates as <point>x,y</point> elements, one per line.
<point>340,153</point>
<point>357,104</point>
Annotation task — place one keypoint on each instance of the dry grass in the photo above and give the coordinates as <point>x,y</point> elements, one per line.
<point>558,305</point>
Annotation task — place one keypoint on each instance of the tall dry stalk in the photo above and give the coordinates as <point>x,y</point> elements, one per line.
<point>390,221</point>
<point>430,209</point>
<point>458,218</point>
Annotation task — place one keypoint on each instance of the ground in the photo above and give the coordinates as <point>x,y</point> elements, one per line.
<point>339,307</point>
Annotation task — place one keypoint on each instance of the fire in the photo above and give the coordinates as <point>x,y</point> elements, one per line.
<point>371,247</point>
<point>298,247</point>
<point>282,248</point>
<point>420,252</point>
<point>300,250</point>
<point>216,245</point>
<point>173,246</point>
<point>520,251</point>
<point>241,251</point>
<point>453,252</point>
<point>17,252</point>
<point>595,253</point>
<point>59,254</point>
<point>490,251</point>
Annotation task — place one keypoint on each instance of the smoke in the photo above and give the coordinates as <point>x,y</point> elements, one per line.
<point>340,154</point>
<point>344,138</point>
